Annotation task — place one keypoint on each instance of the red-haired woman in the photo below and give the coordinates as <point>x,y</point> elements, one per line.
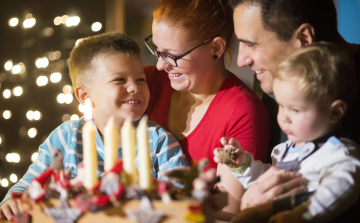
<point>193,95</point>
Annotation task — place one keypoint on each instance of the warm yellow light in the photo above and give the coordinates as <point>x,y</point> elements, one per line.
<point>7,93</point>
<point>65,117</point>
<point>17,91</point>
<point>57,20</point>
<point>42,62</point>
<point>16,69</point>
<point>30,115</point>
<point>13,178</point>
<point>81,108</point>
<point>22,67</point>
<point>61,98</point>
<point>64,18</point>
<point>37,115</point>
<point>32,132</point>
<point>55,77</point>
<point>13,22</point>
<point>34,156</point>
<point>73,21</point>
<point>4,183</point>
<point>0,140</point>
<point>54,55</point>
<point>7,114</point>
<point>67,89</point>
<point>74,117</point>
<point>96,26</point>
<point>8,65</point>
<point>68,98</point>
<point>28,23</point>
<point>12,157</point>
<point>42,81</point>
<point>48,31</point>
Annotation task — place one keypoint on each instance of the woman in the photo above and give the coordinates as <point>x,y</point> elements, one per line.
<point>193,95</point>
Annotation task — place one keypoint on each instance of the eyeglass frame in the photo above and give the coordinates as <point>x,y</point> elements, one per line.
<point>163,55</point>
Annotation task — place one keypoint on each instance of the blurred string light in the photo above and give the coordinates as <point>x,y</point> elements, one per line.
<point>72,21</point>
<point>33,115</point>
<point>69,98</point>
<point>64,18</point>
<point>18,68</point>
<point>55,77</point>
<point>7,114</point>
<point>42,80</point>
<point>96,26</point>
<point>17,91</point>
<point>61,98</point>
<point>48,31</point>
<point>4,182</point>
<point>12,157</point>
<point>8,65</point>
<point>65,117</point>
<point>29,21</point>
<point>67,89</point>
<point>0,140</point>
<point>32,132</point>
<point>81,108</point>
<point>57,20</point>
<point>42,62</point>
<point>74,117</point>
<point>13,178</point>
<point>7,93</point>
<point>34,156</point>
<point>13,22</point>
<point>54,55</point>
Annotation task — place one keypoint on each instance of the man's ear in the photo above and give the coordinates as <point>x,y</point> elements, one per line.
<point>305,34</point>
<point>338,109</point>
<point>219,46</point>
<point>81,93</point>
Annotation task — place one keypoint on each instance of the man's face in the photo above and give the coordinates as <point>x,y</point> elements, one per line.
<point>259,48</point>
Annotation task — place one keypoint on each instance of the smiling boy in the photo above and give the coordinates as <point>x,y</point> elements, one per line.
<point>106,69</point>
<point>310,87</point>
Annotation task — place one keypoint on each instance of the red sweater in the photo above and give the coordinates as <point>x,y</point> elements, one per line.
<point>236,111</point>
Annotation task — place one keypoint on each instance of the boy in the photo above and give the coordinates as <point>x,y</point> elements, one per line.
<point>107,69</point>
<point>310,88</point>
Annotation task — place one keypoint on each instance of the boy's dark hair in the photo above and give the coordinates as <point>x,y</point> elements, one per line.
<point>89,50</point>
<point>284,16</point>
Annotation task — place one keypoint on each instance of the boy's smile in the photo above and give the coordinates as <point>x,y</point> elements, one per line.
<point>118,89</point>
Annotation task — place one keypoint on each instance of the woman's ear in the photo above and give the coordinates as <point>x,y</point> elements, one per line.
<point>81,93</point>
<point>338,110</point>
<point>305,34</point>
<point>219,46</point>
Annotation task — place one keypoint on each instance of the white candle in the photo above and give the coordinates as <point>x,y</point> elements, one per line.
<point>89,149</point>
<point>128,151</point>
<point>110,143</point>
<point>145,165</point>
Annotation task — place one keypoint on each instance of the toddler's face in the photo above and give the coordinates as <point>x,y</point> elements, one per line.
<point>119,88</point>
<point>301,119</point>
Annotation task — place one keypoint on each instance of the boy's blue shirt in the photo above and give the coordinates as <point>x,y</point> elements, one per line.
<point>165,152</point>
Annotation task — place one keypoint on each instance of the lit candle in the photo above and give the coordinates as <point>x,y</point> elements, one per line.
<point>110,143</point>
<point>89,149</point>
<point>145,165</point>
<point>128,151</point>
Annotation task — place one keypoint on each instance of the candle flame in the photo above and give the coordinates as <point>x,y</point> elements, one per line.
<point>87,110</point>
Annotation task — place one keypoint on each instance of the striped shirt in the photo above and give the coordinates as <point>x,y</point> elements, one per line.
<point>165,152</point>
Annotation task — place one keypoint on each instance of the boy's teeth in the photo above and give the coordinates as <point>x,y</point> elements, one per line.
<point>175,75</point>
<point>259,71</point>
<point>132,102</point>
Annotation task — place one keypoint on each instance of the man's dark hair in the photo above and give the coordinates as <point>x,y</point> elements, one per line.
<point>284,16</point>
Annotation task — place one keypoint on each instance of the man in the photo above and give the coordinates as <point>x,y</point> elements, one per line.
<point>268,31</point>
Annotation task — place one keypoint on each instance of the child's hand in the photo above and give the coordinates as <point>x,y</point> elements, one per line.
<point>237,156</point>
<point>8,209</point>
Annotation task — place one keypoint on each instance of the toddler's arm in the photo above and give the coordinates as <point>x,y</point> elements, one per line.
<point>245,169</point>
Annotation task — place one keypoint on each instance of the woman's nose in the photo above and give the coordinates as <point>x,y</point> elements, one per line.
<point>162,65</point>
